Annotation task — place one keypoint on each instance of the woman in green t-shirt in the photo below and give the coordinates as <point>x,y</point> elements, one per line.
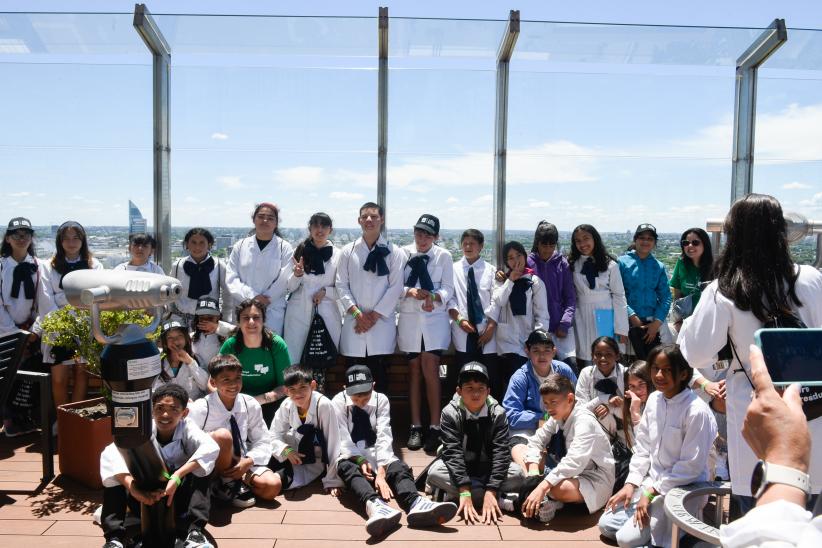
<point>263,355</point>
<point>693,267</point>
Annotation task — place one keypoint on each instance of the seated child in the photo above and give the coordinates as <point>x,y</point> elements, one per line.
<point>475,455</point>
<point>235,421</point>
<point>522,403</point>
<point>601,386</point>
<point>367,455</point>
<point>586,472</point>
<point>671,448</point>
<point>305,434</point>
<point>210,332</point>
<point>189,455</point>
<point>179,364</point>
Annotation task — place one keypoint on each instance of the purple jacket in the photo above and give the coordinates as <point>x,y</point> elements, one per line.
<point>556,274</point>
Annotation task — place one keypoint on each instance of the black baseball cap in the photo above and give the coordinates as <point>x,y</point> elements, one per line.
<point>358,380</point>
<point>645,227</point>
<point>171,324</point>
<point>539,336</point>
<point>207,306</point>
<point>21,223</point>
<point>428,223</point>
<point>471,369</point>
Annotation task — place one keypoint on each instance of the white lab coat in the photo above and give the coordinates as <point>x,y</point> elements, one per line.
<point>588,457</point>
<point>57,300</point>
<point>671,448</point>
<point>188,443</point>
<point>778,524</point>
<point>210,414</point>
<point>219,288</point>
<point>208,345</point>
<point>190,376</point>
<point>300,309</point>
<point>323,415</point>
<point>251,272</point>
<point>608,293</point>
<point>706,332</point>
<point>379,414</point>
<point>484,275</point>
<point>591,398</point>
<point>150,267</point>
<point>368,291</point>
<point>512,331</point>
<point>416,325</point>
<point>14,312</point>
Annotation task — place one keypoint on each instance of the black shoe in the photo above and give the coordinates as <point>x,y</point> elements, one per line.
<point>415,438</point>
<point>432,441</point>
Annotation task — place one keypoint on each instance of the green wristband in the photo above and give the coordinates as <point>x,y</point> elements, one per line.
<point>287,451</point>
<point>647,494</point>
<point>533,473</point>
<point>465,494</point>
<point>360,460</point>
<point>174,477</point>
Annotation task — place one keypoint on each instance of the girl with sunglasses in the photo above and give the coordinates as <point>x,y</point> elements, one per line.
<point>692,268</point>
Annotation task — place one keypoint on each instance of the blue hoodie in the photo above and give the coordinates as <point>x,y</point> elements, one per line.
<point>522,401</point>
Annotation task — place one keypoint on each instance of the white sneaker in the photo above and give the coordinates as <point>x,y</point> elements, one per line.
<point>97,516</point>
<point>426,513</point>
<point>506,501</point>
<point>548,509</point>
<point>381,517</point>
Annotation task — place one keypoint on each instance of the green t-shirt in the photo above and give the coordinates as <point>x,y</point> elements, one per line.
<point>686,278</point>
<point>262,369</point>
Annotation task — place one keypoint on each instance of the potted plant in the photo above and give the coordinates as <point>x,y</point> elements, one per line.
<point>84,428</point>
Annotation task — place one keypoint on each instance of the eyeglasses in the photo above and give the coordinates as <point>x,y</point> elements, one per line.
<point>694,243</point>
<point>249,318</point>
<point>20,236</point>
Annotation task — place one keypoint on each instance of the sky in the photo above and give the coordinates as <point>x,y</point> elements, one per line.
<point>611,125</point>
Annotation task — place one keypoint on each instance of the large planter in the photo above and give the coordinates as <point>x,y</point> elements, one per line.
<point>80,441</point>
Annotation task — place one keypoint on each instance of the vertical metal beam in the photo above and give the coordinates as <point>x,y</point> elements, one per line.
<point>506,49</point>
<point>747,67</point>
<point>161,53</point>
<point>382,110</point>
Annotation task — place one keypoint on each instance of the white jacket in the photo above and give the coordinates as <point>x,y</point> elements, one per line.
<point>671,448</point>
<point>608,293</point>
<point>706,332</point>
<point>219,287</point>
<point>368,291</point>
<point>188,443</point>
<point>150,267</point>
<point>591,398</point>
<point>512,331</point>
<point>210,414</point>
<point>379,414</point>
<point>251,272</point>
<point>20,310</point>
<point>415,324</point>
<point>190,376</point>
<point>778,524</point>
<point>300,309</point>
<point>588,455</point>
<point>323,416</point>
<point>484,275</point>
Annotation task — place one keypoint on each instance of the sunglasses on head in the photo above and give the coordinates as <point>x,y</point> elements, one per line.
<point>694,243</point>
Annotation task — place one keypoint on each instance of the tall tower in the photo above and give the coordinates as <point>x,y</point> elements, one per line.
<point>136,221</point>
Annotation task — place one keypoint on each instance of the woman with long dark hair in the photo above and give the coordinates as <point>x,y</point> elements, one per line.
<point>693,267</point>
<point>601,307</point>
<point>756,282</point>
<point>71,253</point>
<point>260,264</point>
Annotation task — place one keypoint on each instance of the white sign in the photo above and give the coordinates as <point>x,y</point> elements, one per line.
<point>130,397</point>
<point>143,368</point>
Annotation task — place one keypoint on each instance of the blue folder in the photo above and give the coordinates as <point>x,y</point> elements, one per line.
<point>605,322</point>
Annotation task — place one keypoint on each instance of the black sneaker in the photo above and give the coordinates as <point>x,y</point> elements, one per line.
<point>432,441</point>
<point>415,438</point>
<point>113,543</point>
<point>197,539</point>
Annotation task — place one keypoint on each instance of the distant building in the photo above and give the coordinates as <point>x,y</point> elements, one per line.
<point>136,221</point>
<point>224,242</point>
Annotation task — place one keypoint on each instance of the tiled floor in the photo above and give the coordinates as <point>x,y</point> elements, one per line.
<point>60,515</point>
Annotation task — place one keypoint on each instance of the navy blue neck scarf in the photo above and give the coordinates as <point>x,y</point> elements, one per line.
<point>419,272</point>
<point>376,260</point>
<point>518,296</point>
<point>199,275</point>
<point>314,258</point>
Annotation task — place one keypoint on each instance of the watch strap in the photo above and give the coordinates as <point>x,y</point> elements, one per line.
<point>776,473</point>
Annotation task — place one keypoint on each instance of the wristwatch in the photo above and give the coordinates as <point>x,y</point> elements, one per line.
<point>766,473</point>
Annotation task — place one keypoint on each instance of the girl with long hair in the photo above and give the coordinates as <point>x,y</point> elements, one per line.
<point>179,365</point>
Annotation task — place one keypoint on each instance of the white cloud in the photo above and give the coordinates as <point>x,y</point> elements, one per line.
<point>191,200</point>
<point>346,196</point>
<point>19,194</point>
<point>299,176</point>
<point>538,204</point>
<point>452,200</point>
<point>219,136</point>
<point>796,185</point>
<point>230,182</point>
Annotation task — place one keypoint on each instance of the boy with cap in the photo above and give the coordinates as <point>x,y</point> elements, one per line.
<point>647,293</point>
<point>475,457</point>
<point>369,284</point>
<point>187,452</point>
<point>522,402</point>
<point>367,456</point>
<point>210,332</point>
<point>423,324</point>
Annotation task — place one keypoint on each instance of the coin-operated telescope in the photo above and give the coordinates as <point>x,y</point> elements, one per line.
<point>129,364</point>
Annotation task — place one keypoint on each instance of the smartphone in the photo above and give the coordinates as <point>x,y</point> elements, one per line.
<point>792,355</point>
